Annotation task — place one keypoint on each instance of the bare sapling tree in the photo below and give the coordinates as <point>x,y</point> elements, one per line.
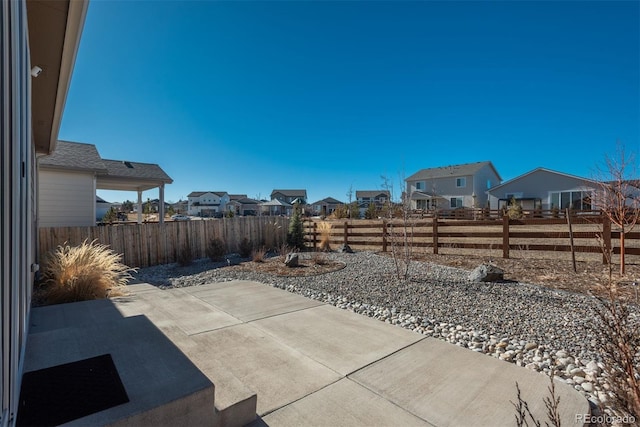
<point>618,197</point>
<point>551,403</point>
<point>399,233</point>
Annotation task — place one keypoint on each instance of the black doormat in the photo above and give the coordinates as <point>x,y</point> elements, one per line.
<point>63,393</point>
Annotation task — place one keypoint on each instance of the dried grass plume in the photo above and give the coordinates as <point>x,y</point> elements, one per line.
<point>85,272</point>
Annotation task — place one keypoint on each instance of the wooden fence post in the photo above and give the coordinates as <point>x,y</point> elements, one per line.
<point>573,249</point>
<point>346,233</point>
<point>384,235</point>
<point>435,233</point>
<point>606,240</point>
<point>505,236</point>
<point>315,231</point>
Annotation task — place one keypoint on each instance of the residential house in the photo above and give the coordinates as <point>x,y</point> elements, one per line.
<point>181,206</point>
<point>102,207</point>
<point>276,207</point>
<point>207,203</point>
<point>451,187</point>
<point>290,196</point>
<point>39,44</point>
<point>67,185</point>
<point>545,189</point>
<point>365,198</point>
<point>69,177</point>
<point>240,204</point>
<point>325,206</point>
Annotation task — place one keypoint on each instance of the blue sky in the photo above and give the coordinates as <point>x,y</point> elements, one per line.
<point>246,96</point>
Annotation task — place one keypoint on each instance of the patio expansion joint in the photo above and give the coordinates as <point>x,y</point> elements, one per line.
<point>301,397</point>
<point>383,357</point>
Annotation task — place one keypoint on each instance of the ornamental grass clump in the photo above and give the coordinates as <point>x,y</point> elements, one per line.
<point>325,235</point>
<point>79,273</point>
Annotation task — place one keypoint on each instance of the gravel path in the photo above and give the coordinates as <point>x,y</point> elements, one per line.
<point>532,326</point>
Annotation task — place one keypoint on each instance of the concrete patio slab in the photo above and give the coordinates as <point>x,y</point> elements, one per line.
<point>344,403</point>
<point>188,312</point>
<point>60,316</point>
<point>341,340</point>
<point>450,386</point>
<point>251,300</point>
<point>277,373</point>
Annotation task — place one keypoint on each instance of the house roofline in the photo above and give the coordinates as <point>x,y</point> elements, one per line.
<point>537,170</point>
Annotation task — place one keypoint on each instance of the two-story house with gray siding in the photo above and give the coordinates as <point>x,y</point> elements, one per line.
<point>451,187</point>
<point>545,189</point>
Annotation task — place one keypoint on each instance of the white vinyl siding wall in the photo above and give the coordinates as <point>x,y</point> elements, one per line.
<point>66,199</point>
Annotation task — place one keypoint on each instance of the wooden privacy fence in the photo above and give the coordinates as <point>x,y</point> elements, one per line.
<point>144,245</point>
<point>588,235</point>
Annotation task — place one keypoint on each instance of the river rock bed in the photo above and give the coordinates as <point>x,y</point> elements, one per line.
<point>532,326</point>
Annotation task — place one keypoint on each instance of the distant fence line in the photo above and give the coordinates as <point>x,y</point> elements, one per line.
<point>506,235</point>
<point>143,245</point>
<point>495,214</point>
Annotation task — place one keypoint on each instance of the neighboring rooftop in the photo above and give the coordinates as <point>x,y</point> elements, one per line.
<point>360,194</point>
<point>76,156</point>
<point>291,193</point>
<point>466,169</point>
<point>200,193</point>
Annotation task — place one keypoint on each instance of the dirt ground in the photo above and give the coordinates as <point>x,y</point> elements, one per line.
<point>590,277</point>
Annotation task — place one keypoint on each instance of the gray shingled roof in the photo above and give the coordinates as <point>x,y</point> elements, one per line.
<point>329,201</point>
<point>136,170</point>
<point>371,193</point>
<point>74,155</point>
<point>291,193</point>
<point>466,169</point>
<point>200,193</point>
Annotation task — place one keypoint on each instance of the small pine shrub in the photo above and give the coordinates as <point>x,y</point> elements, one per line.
<point>185,255</point>
<point>371,212</point>
<point>216,249</point>
<point>85,272</point>
<point>245,248</point>
<point>295,236</point>
<point>514,211</point>
<point>111,216</point>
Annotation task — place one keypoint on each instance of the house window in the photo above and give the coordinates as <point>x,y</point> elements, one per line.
<point>420,185</point>
<point>456,202</point>
<point>576,200</point>
<point>461,182</point>
<point>421,204</point>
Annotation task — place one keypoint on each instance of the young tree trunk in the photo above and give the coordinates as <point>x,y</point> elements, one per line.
<point>622,251</point>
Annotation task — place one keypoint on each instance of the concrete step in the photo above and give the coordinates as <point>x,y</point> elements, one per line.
<point>181,316</point>
<point>235,403</point>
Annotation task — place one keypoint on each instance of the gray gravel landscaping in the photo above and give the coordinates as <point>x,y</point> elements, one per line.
<point>529,325</point>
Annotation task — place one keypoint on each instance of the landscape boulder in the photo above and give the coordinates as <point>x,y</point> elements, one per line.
<point>291,260</point>
<point>345,249</point>
<point>486,273</point>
